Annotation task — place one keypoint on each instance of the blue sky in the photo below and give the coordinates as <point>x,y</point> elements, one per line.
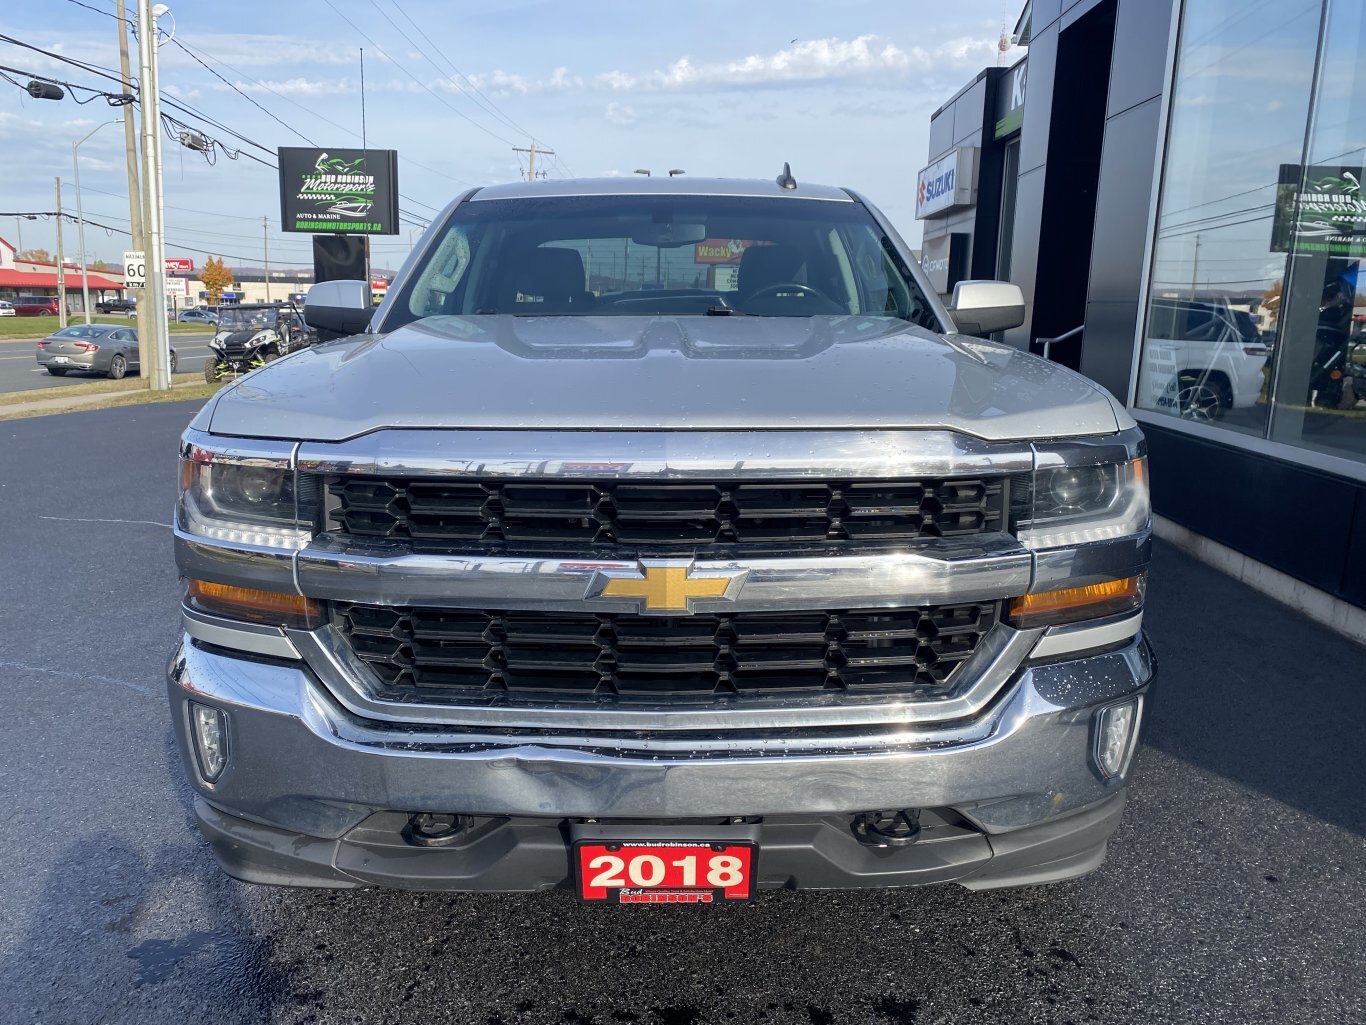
<point>843,91</point>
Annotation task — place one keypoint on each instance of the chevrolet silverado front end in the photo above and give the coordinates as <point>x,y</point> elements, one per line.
<point>588,565</point>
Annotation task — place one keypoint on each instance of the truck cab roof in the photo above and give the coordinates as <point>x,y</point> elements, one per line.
<point>680,185</point>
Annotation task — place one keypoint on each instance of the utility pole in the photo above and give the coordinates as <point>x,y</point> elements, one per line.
<point>531,159</point>
<point>265,236</point>
<point>61,269</point>
<point>1195,266</point>
<point>19,231</point>
<point>130,146</point>
<point>154,253</point>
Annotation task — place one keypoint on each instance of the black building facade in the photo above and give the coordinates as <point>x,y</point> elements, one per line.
<point>1176,185</point>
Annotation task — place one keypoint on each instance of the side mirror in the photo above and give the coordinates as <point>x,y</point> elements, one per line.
<point>338,308</point>
<point>981,307</point>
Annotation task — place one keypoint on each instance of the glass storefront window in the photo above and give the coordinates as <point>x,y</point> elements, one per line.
<point>1319,389</point>
<point>1252,313</point>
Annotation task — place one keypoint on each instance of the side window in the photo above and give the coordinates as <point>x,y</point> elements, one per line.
<point>886,288</point>
<point>443,276</point>
<point>844,273</point>
<point>1201,325</point>
<point>1162,320</point>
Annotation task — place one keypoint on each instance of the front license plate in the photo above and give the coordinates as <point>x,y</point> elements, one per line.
<point>664,871</point>
<point>60,359</point>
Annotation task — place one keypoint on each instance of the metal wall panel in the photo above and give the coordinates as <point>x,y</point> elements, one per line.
<point>1122,200</point>
<point>1043,57</point>
<point>1107,345</point>
<point>1245,501</point>
<point>1137,71</point>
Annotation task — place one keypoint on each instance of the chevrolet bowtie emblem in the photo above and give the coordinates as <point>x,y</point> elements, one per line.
<point>666,585</point>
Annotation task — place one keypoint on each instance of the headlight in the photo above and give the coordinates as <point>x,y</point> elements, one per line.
<point>261,337</point>
<point>245,500</point>
<point>1071,505</point>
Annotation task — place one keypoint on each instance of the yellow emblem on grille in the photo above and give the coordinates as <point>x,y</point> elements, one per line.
<point>665,586</point>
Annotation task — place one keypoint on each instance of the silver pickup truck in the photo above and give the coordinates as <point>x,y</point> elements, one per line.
<point>664,540</point>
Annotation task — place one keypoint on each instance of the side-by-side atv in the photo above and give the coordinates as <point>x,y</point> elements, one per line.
<point>250,336</point>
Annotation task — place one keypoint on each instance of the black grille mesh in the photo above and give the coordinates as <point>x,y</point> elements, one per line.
<point>662,513</point>
<point>458,655</point>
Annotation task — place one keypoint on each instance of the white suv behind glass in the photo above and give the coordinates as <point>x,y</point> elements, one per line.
<point>1200,359</point>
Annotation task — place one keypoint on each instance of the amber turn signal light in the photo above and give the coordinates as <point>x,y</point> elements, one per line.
<point>1071,604</point>
<point>253,604</point>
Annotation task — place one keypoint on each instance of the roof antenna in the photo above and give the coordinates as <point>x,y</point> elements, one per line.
<point>785,180</point>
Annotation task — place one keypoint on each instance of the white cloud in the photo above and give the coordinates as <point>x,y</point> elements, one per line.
<point>620,113</point>
<point>292,87</point>
<point>506,83</point>
<point>804,61</point>
<point>815,60</point>
<point>250,49</point>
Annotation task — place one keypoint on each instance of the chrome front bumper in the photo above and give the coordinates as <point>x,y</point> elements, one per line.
<point>299,761</point>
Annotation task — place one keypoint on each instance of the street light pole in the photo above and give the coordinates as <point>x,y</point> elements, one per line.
<point>61,268</point>
<point>154,256</point>
<point>80,220</point>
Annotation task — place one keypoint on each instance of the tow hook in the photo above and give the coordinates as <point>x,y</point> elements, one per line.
<point>887,828</point>
<point>433,829</point>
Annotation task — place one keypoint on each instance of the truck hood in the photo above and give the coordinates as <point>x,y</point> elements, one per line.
<point>676,373</point>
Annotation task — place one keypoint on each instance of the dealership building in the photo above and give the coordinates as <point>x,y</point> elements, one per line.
<point>1176,185</point>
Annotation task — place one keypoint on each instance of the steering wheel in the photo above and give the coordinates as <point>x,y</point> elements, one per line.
<point>786,286</point>
<point>812,301</point>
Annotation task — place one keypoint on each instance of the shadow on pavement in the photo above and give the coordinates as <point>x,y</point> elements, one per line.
<point>1254,691</point>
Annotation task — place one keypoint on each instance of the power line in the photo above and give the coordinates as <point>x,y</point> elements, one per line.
<point>190,110</point>
<point>93,69</point>
<point>488,107</point>
<point>171,125</point>
<point>403,67</point>
<point>323,118</point>
<point>239,92</point>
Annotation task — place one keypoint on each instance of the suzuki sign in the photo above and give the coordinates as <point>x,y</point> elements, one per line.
<point>947,184</point>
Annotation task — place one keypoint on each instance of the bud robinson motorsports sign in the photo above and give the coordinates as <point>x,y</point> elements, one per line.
<point>1320,210</point>
<point>348,191</point>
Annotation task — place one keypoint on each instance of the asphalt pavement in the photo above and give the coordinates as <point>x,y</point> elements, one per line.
<point>1235,891</point>
<point>19,369</point>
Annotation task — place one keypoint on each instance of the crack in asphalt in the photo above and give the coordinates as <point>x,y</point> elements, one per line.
<point>141,688</point>
<point>83,519</point>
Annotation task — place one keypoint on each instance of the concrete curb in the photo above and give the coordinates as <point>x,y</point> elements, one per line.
<point>73,402</point>
<point>1320,606</point>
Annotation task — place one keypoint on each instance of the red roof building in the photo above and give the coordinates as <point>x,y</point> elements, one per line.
<point>28,281</point>
<point>30,277</point>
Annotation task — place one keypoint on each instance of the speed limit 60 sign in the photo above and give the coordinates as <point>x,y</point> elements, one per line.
<point>134,269</point>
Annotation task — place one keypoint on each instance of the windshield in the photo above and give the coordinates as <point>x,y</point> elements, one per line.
<point>232,318</point>
<point>81,331</point>
<point>661,255</point>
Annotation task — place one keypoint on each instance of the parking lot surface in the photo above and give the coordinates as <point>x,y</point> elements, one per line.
<point>1235,891</point>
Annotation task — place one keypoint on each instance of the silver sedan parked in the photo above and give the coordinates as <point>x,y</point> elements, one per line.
<point>97,348</point>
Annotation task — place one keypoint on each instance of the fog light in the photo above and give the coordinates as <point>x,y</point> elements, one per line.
<point>210,740</point>
<point>1116,731</point>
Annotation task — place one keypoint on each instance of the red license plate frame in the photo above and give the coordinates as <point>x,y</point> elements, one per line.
<point>631,878</point>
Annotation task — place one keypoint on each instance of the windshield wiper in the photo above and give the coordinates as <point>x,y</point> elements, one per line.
<point>726,311</point>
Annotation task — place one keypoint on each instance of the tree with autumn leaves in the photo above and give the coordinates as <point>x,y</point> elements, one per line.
<point>217,279</point>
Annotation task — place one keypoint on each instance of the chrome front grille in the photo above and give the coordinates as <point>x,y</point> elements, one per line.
<point>507,657</point>
<point>663,514</point>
